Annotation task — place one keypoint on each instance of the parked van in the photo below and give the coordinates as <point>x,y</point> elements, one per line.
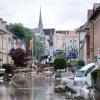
<point>84,74</point>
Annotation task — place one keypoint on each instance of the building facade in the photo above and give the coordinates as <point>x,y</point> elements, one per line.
<point>93,32</point>
<point>60,40</point>
<point>5,43</point>
<point>71,40</point>
<point>49,43</point>
<point>82,49</point>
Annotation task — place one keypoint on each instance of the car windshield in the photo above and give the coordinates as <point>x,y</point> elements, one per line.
<point>80,73</point>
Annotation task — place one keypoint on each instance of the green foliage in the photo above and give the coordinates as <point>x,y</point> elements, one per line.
<point>17,29</point>
<point>28,36</point>
<point>8,68</point>
<point>60,62</point>
<point>94,74</point>
<point>38,49</point>
<point>21,32</point>
<point>80,63</point>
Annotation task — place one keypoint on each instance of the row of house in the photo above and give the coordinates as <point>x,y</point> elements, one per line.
<point>53,40</point>
<point>93,33</point>
<point>85,39</point>
<point>56,40</point>
<point>89,34</point>
<point>7,41</point>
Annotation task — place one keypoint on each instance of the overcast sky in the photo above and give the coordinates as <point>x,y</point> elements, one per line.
<point>58,14</point>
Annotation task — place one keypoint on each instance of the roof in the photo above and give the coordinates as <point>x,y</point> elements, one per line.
<point>72,33</point>
<point>96,11</point>
<point>49,31</point>
<point>37,30</point>
<point>40,20</point>
<point>96,6</point>
<point>87,66</point>
<point>62,32</point>
<point>82,28</point>
<point>4,31</point>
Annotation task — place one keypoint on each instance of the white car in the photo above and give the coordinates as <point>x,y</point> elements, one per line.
<point>84,74</point>
<point>82,89</point>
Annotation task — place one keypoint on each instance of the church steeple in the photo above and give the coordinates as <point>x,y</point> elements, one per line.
<point>40,25</point>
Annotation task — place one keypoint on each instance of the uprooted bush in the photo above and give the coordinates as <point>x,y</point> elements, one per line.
<point>60,62</point>
<point>80,64</point>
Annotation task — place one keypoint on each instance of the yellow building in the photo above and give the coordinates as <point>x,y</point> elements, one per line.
<point>60,40</point>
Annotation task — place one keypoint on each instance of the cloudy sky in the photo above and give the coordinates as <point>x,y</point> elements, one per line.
<point>59,14</point>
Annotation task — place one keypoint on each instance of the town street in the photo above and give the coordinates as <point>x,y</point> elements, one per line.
<point>37,87</point>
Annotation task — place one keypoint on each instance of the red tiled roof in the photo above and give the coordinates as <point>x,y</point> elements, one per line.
<point>72,33</point>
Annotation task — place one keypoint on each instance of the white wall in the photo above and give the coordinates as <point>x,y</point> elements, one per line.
<point>81,37</point>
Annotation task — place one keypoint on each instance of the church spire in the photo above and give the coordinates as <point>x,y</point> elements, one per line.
<point>40,25</point>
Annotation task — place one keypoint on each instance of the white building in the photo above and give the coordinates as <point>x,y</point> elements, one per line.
<point>82,43</point>
<point>18,43</point>
<point>59,40</point>
<point>49,43</point>
<point>72,42</point>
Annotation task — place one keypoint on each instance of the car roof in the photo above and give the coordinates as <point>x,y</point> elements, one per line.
<point>87,66</point>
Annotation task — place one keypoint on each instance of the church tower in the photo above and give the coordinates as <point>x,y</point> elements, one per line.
<point>40,25</point>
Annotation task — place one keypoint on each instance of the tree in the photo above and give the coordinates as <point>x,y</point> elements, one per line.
<point>60,62</point>
<point>17,29</point>
<point>21,32</point>
<point>20,57</point>
<point>8,68</point>
<point>80,63</point>
<point>28,36</point>
<point>38,49</point>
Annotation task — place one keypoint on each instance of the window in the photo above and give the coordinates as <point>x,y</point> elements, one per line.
<point>75,40</point>
<point>80,74</point>
<point>70,40</point>
<point>89,70</point>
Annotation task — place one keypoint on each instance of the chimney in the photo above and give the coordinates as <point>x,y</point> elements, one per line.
<point>3,25</point>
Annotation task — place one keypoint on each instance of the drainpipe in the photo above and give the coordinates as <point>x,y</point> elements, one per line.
<point>79,45</point>
<point>92,41</point>
<point>2,52</point>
